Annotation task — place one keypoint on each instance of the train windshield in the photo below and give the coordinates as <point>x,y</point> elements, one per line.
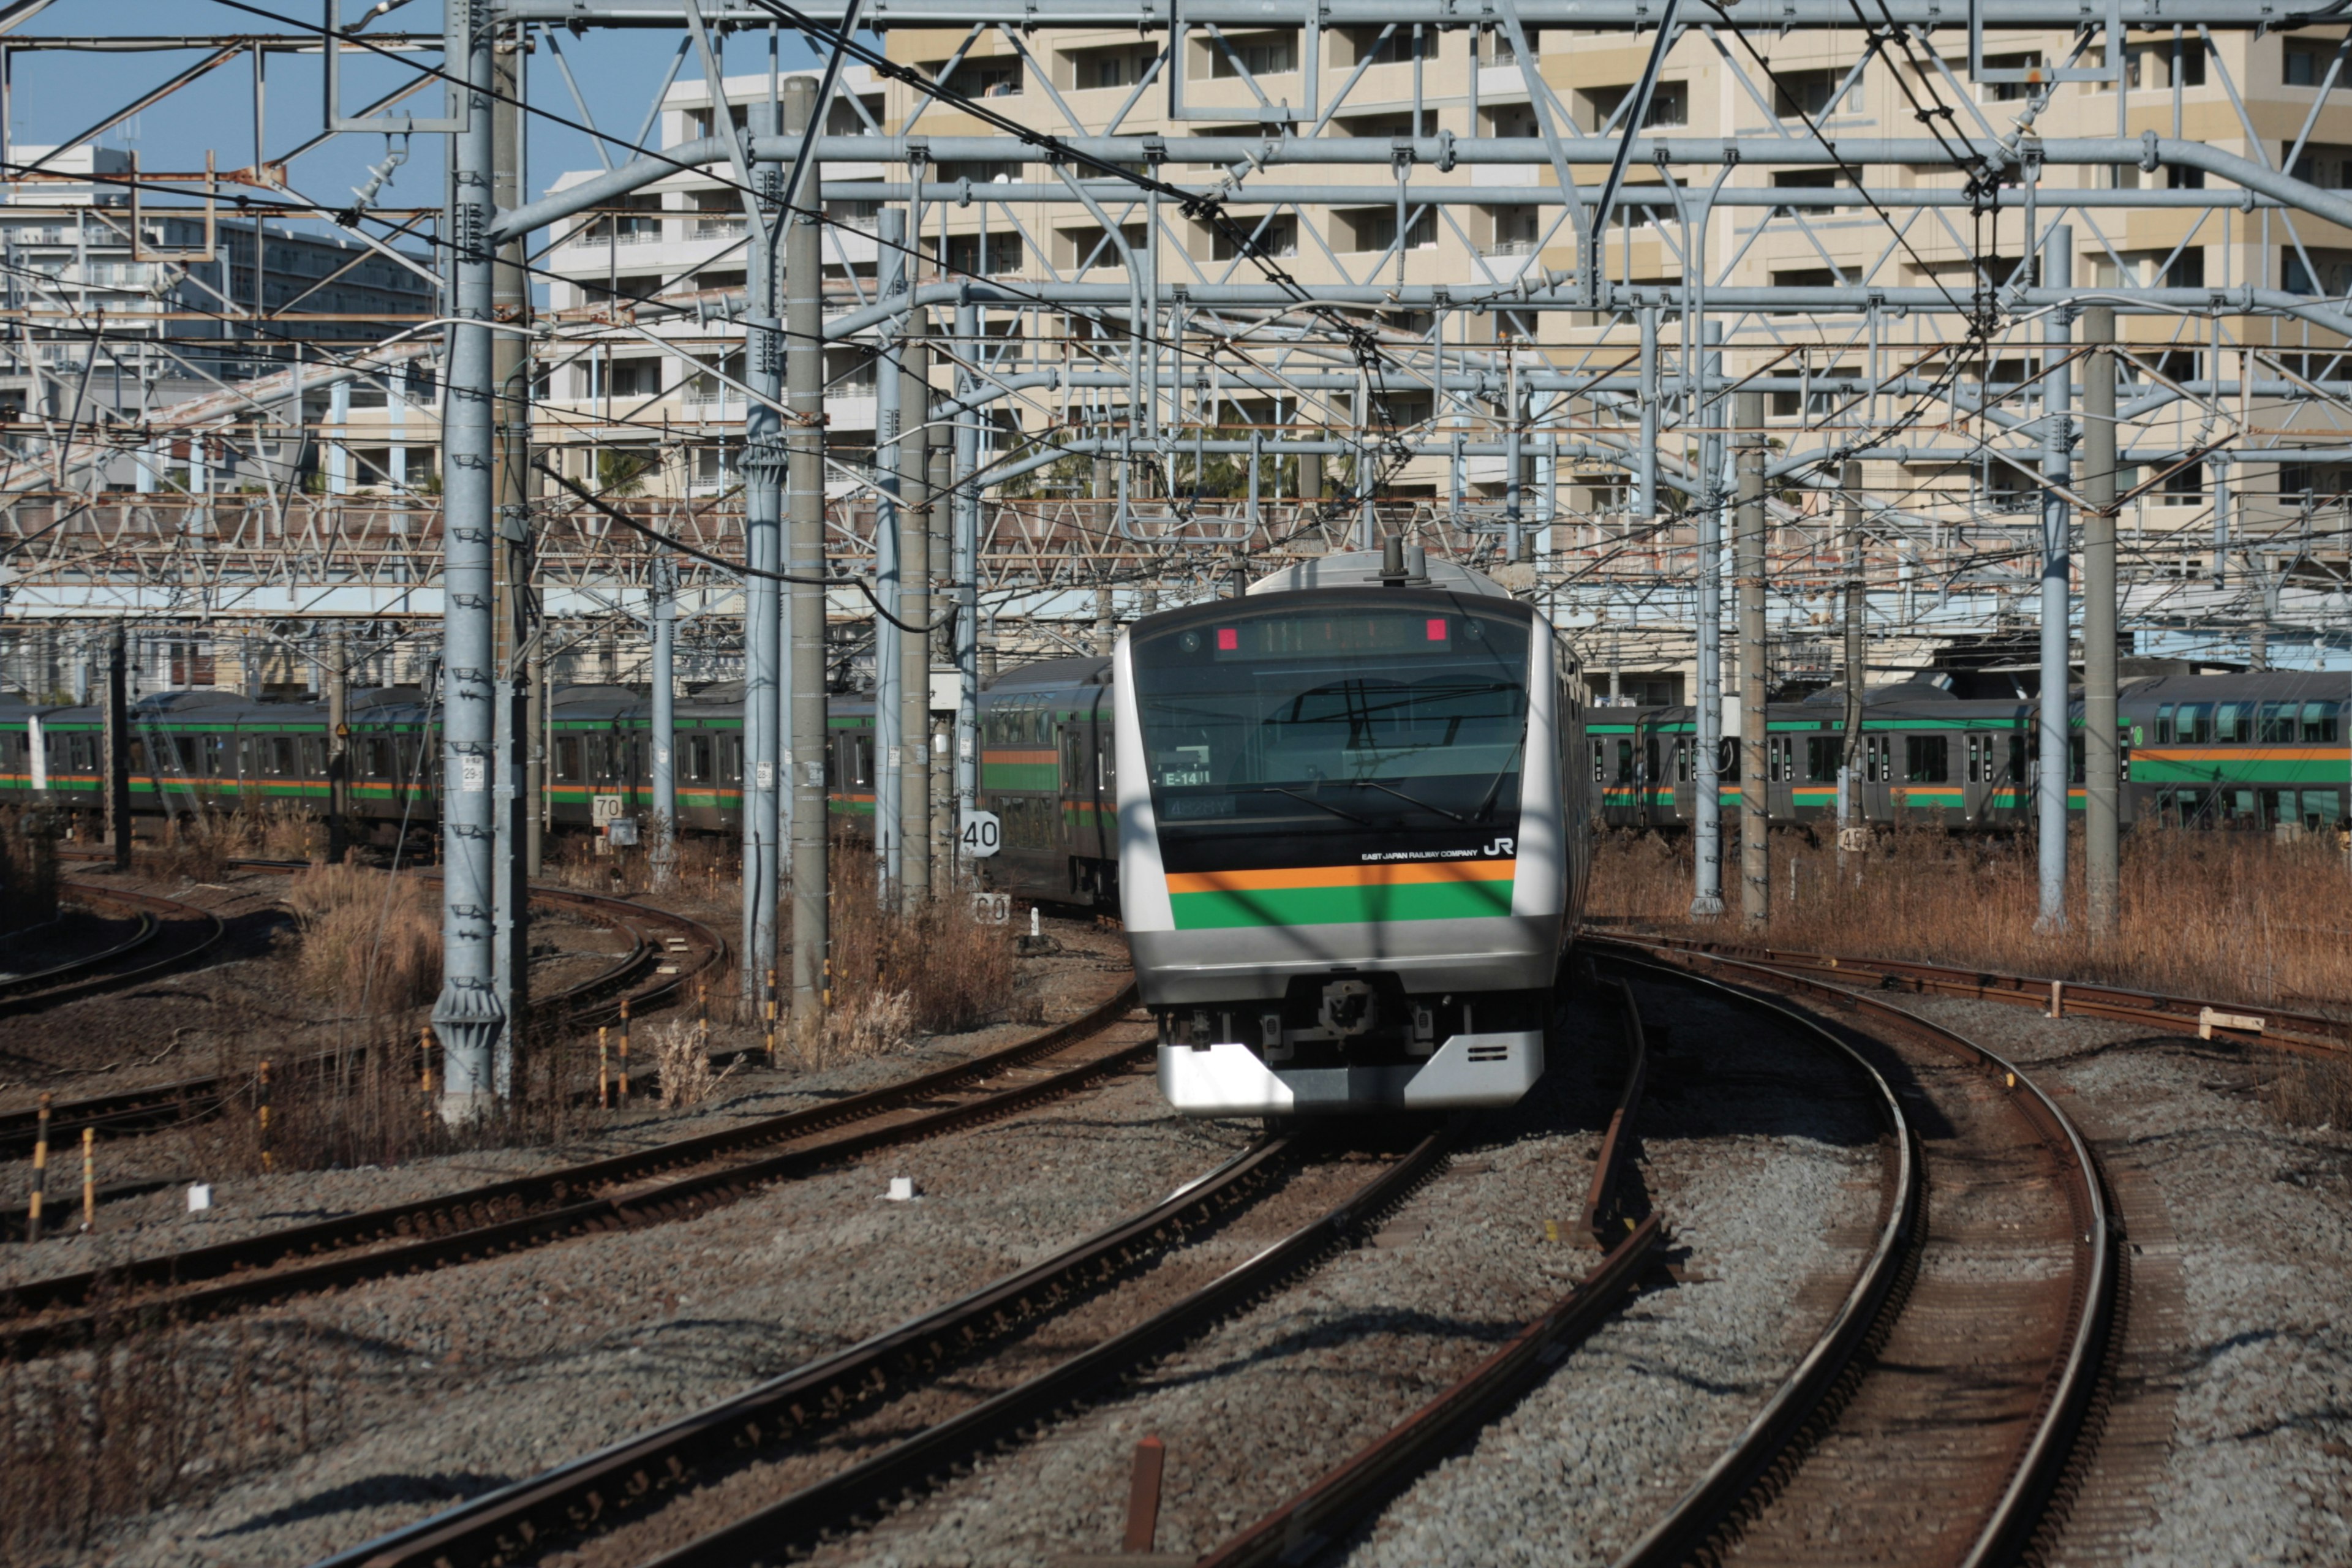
<point>1340,733</point>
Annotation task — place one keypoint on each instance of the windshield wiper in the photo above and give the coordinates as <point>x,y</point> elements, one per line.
<point>1486,801</point>
<point>1335,811</point>
<point>1384,789</point>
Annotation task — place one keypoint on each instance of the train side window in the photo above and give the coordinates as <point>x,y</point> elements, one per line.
<point>2192,723</point>
<point>730,758</point>
<point>281,754</point>
<point>1650,760</point>
<point>1601,762</point>
<point>1927,759</point>
<point>2233,722</point>
<point>2164,725</point>
<point>1682,762</point>
<point>1624,762</point>
<point>2319,723</point>
<point>1821,758</point>
<point>2015,772</point>
<point>567,756</point>
<point>697,758</point>
<point>138,755</point>
<point>184,751</point>
<point>2077,760</point>
<point>2274,723</point>
<point>381,764</point>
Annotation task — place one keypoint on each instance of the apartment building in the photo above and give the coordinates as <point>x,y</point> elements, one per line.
<point>639,411</point>
<point>122,324</point>
<point>2258,97</point>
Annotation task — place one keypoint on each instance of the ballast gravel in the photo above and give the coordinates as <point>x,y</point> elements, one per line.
<point>417,1392</point>
<point>2260,1211</point>
<point>1761,1180</point>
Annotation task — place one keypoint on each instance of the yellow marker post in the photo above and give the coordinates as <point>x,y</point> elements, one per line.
<point>40,1172</point>
<point>89,1179</point>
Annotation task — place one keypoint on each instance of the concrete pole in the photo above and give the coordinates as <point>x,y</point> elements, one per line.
<point>890,572</point>
<point>511,616</point>
<point>2102,763</point>
<point>941,488</point>
<point>964,560</point>
<point>804,563</point>
<point>1849,803</point>
<point>764,514</point>
<point>1755,769</point>
<point>661,592</point>
<point>339,745</point>
<point>2056,718</point>
<point>1707,816</point>
<point>117,749</point>
<point>468,1016</point>
<point>915,513</point>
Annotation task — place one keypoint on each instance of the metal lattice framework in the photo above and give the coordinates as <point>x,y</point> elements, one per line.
<point>1183,290</point>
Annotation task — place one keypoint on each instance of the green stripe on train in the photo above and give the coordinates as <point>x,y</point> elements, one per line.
<point>1335,906</point>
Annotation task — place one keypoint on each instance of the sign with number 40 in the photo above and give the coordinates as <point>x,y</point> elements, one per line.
<point>982,835</point>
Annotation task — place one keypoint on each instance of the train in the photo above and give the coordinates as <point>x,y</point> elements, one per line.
<point>2260,750</point>
<point>1353,838</point>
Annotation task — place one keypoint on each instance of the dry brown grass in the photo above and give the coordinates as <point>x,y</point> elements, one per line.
<point>369,944</point>
<point>939,970</point>
<point>2227,917</point>
<point>681,1052</point>
<point>706,865</point>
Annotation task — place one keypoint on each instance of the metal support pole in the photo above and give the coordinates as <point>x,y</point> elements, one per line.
<point>534,766</point>
<point>804,563</point>
<point>2102,762</point>
<point>117,749</point>
<point>663,594</point>
<point>339,745</point>
<point>915,511</point>
<point>764,515</point>
<point>511,575</point>
<point>1707,816</point>
<point>1857,671</point>
<point>942,489</point>
<point>890,735</point>
<point>1645,468</point>
<point>2056,718</point>
<point>1755,767</point>
<point>2099,673</point>
<point>964,562</point>
<point>468,1016</point>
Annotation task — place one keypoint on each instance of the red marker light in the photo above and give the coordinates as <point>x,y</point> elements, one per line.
<point>1229,639</point>
<point>1437,629</point>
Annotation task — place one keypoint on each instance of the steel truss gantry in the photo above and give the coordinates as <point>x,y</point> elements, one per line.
<point>1182,322</point>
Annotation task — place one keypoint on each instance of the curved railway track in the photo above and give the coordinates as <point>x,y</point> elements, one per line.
<point>671,1180</point>
<point>1937,1416</point>
<point>667,953</point>
<point>169,935</point>
<point>2285,1028</point>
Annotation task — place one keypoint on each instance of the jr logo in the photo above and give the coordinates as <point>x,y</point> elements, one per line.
<point>1501,848</point>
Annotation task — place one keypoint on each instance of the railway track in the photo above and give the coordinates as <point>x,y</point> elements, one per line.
<point>667,954</point>
<point>2243,1022</point>
<point>1937,1416</point>
<point>630,1483</point>
<point>671,1180</point>
<point>168,935</point>
<point>704,1456</point>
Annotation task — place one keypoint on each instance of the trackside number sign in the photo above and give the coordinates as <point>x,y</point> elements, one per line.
<point>982,834</point>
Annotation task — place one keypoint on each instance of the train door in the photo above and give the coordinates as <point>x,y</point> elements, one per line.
<point>1878,779</point>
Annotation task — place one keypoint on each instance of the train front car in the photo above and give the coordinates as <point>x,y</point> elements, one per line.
<point>1350,857</point>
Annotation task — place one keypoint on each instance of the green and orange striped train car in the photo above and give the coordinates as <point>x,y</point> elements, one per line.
<point>200,752</point>
<point>2257,750</point>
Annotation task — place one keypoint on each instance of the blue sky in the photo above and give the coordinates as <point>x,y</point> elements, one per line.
<point>58,94</point>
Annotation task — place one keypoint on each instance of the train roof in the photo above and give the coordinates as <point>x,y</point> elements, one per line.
<point>1077,670</point>
<point>2274,685</point>
<point>1361,569</point>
